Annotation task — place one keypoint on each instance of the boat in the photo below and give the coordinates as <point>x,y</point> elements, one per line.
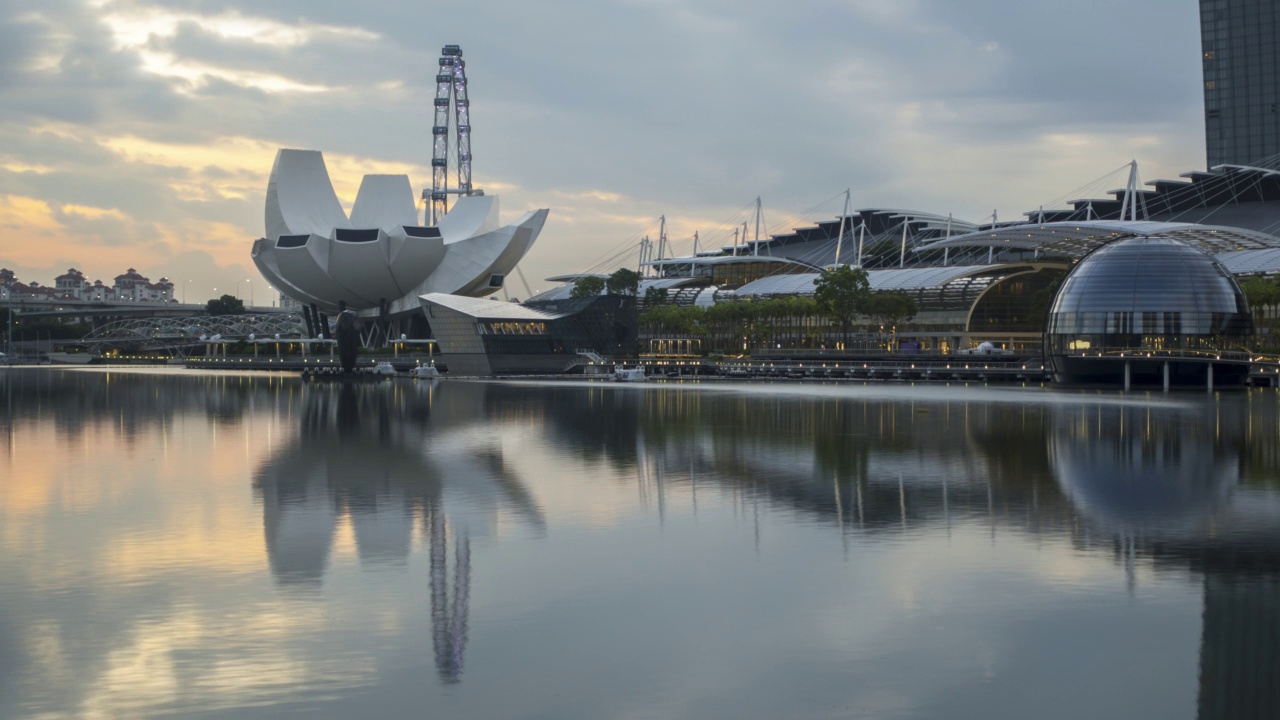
<point>65,358</point>
<point>626,374</point>
<point>384,368</point>
<point>425,372</point>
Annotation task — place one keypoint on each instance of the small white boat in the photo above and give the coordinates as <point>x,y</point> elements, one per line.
<point>63,358</point>
<point>626,374</point>
<point>384,368</point>
<point>425,372</point>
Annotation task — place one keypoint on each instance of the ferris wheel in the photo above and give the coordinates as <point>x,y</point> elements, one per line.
<point>451,92</point>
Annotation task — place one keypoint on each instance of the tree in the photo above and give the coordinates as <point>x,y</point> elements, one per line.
<point>1261,293</point>
<point>587,287</point>
<point>225,305</point>
<point>840,293</point>
<point>1040,301</point>
<point>890,307</point>
<point>654,297</point>
<point>623,281</point>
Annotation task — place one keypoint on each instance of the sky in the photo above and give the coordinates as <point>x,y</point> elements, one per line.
<point>141,134</point>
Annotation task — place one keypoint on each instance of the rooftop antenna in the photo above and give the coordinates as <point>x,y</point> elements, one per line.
<point>843,216</point>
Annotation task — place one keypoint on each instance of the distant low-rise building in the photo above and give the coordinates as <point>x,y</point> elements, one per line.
<point>132,286</point>
<point>72,284</point>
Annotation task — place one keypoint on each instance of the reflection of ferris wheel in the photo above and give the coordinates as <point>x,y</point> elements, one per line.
<point>451,90</point>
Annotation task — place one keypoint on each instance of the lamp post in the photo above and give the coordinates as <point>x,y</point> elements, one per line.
<point>238,287</point>
<point>185,283</point>
<point>250,281</point>
<point>9,338</point>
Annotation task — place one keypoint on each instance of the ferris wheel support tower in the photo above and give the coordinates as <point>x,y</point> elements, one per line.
<point>451,93</point>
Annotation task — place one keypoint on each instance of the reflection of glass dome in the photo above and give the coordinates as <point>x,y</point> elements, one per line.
<point>1164,480</point>
<point>1131,291</point>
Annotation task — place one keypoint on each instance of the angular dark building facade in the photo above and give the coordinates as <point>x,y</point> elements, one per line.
<point>487,337</point>
<point>1240,49</point>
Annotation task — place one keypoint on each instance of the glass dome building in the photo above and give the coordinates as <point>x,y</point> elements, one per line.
<point>1149,308</point>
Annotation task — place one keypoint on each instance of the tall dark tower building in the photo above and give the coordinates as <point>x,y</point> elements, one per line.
<point>1240,45</point>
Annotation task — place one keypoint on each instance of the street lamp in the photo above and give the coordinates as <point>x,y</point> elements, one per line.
<point>250,281</point>
<point>9,339</point>
<point>185,283</point>
<point>238,287</point>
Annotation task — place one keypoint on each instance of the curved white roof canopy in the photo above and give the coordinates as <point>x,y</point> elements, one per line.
<point>563,292</point>
<point>471,215</point>
<point>264,257</point>
<point>386,202</point>
<point>470,264</point>
<point>300,196</point>
<point>1247,262</point>
<point>1076,239</point>
<point>303,261</point>
<point>903,279</point>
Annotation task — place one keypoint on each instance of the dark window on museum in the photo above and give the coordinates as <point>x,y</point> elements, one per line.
<point>356,235</point>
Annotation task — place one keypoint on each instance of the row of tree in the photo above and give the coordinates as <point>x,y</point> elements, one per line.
<point>623,281</point>
<point>842,299</point>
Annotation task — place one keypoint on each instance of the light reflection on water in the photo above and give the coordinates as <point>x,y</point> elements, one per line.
<point>224,545</point>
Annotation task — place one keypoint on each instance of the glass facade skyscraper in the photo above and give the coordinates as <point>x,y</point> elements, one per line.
<point>1240,46</point>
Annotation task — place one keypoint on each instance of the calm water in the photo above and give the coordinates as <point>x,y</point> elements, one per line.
<point>219,545</point>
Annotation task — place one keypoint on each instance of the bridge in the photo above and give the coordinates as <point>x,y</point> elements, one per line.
<point>175,333</point>
<point>97,312</point>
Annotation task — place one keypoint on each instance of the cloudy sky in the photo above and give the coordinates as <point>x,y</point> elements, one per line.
<point>140,134</point>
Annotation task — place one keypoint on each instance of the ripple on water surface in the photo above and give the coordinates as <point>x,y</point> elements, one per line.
<point>221,544</point>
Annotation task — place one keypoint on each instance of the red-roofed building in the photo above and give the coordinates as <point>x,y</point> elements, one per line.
<point>131,286</point>
<point>71,284</point>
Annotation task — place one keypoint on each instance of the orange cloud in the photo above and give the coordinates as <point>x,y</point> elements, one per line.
<point>93,213</point>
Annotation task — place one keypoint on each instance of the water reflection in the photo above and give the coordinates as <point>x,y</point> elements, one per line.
<point>665,550</point>
<point>1184,485</point>
<point>379,456</point>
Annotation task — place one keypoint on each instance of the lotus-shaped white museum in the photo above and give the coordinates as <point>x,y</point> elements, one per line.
<point>380,258</point>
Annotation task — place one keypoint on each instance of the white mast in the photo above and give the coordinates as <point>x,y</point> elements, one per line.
<point>843,216</point>
<point>946,252</point>
<point>695,243</point>
<point>756,250</point>
<point>1130,204</point>
<point>862,236</point>
<point>662,243</point>
<point>902,257</point>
